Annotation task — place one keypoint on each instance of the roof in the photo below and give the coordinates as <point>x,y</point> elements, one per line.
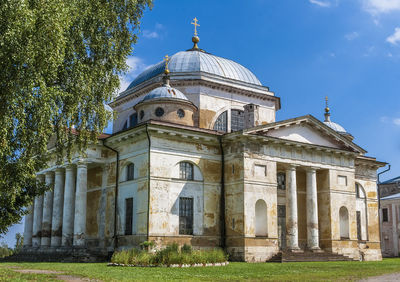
<point>164,91</point>
<point>393,180</point>
<point>335,126</point>
<point>307,118</point>
<point>198,61</point>
<point>391,197</point>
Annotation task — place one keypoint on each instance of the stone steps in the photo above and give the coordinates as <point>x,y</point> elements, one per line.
<point>308,256</point>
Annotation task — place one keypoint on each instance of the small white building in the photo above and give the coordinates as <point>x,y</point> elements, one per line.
<point>390,225</point>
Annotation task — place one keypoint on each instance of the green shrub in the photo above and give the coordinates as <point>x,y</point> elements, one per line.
<point>169,255</point>
<point>186,249</point>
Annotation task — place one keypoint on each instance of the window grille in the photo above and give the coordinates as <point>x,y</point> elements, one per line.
<point>281,178</point>
<point>237,120</point>
<point>385,215</point>
<point>130,172</point>
<point>186,216</point>
<point>128,216</point>
<point>221,122</point>
<point>186,171</point>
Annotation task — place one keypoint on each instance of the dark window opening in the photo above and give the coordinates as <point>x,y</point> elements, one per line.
<point>358,213</point>
<point>186,171</point>
<point>181,113</point>
<point>130,172</point>
<point>141,114</point>
<point>237,120</point>
<point>281,179</point>
<point>125,125</point>
<point>385,215</point>
<point>159,112</point>
<point>186,216</point>
<point>128,216</point>
<point>133,120</point>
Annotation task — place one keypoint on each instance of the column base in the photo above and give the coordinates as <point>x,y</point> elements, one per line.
<point>316,250</point>
<point>295,250</point>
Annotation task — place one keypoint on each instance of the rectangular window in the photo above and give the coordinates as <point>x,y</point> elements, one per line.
<point>237,120</point>
<point>133,120</point>
<point>186,171</point>
<point>358,214</point>
<point>186,216</point>
<point>281,178</point>
<point>128,216</point>
<point>385,215</point>
<point>130,172</point>
<point>342,180</point>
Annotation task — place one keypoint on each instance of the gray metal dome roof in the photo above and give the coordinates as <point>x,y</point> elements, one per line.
<point>199,61</point>
<point>335,126</point>
<point>164,91</point>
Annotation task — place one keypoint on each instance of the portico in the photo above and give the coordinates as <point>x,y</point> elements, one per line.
<point>58,218</point>
<point>292,204</point>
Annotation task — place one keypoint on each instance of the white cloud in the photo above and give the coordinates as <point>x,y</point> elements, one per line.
<point>351,36</point>
<point>396,121</point>
<point>320,3</point>
<point>159,26</point>
<point>395,37</point>
<point>150,34</point>
<point>136,66</point>
<point>376,7</point>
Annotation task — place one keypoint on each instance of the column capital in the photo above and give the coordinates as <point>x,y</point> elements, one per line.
<point>49,173</point>
<point>312,169</point>
<point>59,170</point>
<point>82,164</point>
<point>291,167</point>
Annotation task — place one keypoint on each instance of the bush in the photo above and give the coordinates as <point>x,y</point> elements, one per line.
<point>169,255</point>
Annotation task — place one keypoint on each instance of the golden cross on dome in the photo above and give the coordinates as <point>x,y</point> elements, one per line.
<point>326,104</point>
<point>166,60</point>
<point>194,22</point>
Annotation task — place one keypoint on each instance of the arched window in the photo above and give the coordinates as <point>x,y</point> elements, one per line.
<point>133,120</point>
<point>237,120</point>
<point>261,223</point>
<point>344,223</point>
<point>130,171</point>
<point>221,124</point>
<point>186,170</point>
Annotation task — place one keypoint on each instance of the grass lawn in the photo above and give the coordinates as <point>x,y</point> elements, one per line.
<point>316,271</point>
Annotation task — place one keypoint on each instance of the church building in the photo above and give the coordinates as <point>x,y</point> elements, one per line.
<point>196,156</point>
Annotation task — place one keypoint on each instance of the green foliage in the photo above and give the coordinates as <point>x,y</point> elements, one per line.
<point>171,254</point>
<point>187,249</point>
<point>5,251</point>
<point>147,245</point>
<point>19,242</point>
<point>60,61</point>
<point>235,271</point>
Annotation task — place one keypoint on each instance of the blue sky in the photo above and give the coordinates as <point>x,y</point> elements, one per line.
<point>303,50</point>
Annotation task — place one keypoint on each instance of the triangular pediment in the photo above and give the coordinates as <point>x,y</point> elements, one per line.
<point>307,130</point>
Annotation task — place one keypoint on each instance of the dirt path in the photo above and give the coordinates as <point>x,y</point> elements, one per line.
<point>393,277</point>
<point>62,276</point>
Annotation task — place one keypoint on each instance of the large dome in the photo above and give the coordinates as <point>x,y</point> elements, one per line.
<point>199,61</point>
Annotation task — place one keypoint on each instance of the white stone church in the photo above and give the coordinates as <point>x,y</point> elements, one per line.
<point>197,157</point>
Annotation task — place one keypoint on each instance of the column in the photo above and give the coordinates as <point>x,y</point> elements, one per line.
<point>69,207</point>
<point>80,205</point>
<point>47,211</point>
<point>394,230</point>
<point>291,210</point>
<point>28,228</point>
<point>37,217</point>
<point>312,210</point>
<point>58,202</point>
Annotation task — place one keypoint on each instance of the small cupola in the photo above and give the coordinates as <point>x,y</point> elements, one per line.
<point>166,103</point>
<point>333,125</point>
